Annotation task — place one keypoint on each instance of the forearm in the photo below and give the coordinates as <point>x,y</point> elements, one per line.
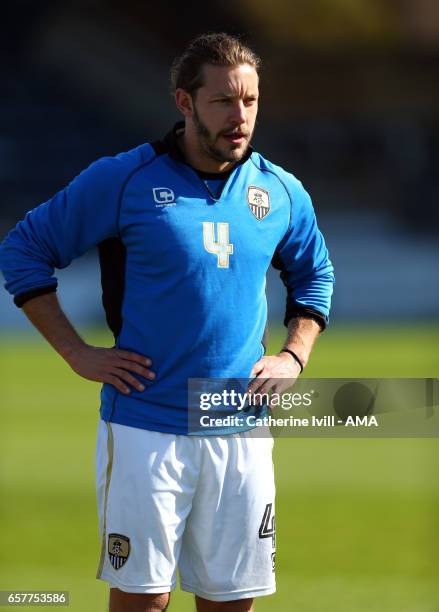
<point>302,333</point>
<point>46,314</point>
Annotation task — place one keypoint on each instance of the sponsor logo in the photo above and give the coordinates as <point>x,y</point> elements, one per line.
<point>163,196</point>
<point>118,549</point>
<point>258,201</point>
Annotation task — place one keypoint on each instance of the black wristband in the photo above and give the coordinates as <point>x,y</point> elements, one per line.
<point>293,354</point>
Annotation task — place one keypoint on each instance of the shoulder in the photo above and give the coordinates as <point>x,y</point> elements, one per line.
<point>114,171</point>
<point>130,160</point>
<point>290,182</point>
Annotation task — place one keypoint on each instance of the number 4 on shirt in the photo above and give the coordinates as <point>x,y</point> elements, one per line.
<point>221,247</point>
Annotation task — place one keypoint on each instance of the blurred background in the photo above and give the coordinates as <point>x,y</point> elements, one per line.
<point>350,105</point>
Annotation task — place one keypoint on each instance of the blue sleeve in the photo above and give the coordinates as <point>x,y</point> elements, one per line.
<point>51,235</point>
<point>302,258</point>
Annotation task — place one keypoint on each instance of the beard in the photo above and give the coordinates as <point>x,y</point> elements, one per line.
<point>211,142</point>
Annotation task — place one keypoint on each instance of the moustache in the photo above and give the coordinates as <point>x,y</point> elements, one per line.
<point>237,133</point>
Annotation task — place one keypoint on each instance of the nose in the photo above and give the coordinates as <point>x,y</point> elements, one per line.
<point>238,115</point>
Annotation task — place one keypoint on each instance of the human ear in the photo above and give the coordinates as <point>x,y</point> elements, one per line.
<point>184,102</point>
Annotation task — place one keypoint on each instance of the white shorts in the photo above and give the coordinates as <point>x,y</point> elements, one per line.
<point>204,505</point>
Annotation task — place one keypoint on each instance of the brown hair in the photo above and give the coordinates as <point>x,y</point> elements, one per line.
<point>219,49</point>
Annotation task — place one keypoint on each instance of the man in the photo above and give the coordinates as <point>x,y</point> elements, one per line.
<point>186,228</point>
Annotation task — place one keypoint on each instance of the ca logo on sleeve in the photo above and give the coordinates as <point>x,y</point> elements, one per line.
<point>163,196</point>
<point>258,201</point>
<point>118,549</point>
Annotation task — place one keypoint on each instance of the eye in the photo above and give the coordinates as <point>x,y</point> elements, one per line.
<point>249,101</point>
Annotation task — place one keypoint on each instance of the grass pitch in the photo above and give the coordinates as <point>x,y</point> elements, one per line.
<point>357,519</point>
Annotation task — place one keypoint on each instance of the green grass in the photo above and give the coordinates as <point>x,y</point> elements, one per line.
<point>357,519</point>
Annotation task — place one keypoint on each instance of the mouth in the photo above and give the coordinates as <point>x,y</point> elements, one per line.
<point>235,137</point>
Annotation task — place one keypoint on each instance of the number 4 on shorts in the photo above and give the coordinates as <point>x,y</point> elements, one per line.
<point>268,524</point>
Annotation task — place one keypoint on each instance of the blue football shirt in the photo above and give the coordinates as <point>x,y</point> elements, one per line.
<point>184,261</point>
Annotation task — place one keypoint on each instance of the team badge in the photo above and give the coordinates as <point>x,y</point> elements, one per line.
<point>118,549</point>
<point>258,202</point>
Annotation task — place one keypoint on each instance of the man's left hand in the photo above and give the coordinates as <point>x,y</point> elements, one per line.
<point>274,373</point>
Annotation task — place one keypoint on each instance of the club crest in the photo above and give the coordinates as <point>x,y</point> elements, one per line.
<point>118,549</point>
<point>258,202</point>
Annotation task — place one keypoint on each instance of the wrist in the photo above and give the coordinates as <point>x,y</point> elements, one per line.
<point>295,357</point>
<point>70,350</point>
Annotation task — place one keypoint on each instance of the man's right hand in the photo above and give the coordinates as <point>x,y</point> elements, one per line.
<point>110,365</point>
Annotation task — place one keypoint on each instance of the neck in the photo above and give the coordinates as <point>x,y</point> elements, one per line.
<point>197,157</point>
